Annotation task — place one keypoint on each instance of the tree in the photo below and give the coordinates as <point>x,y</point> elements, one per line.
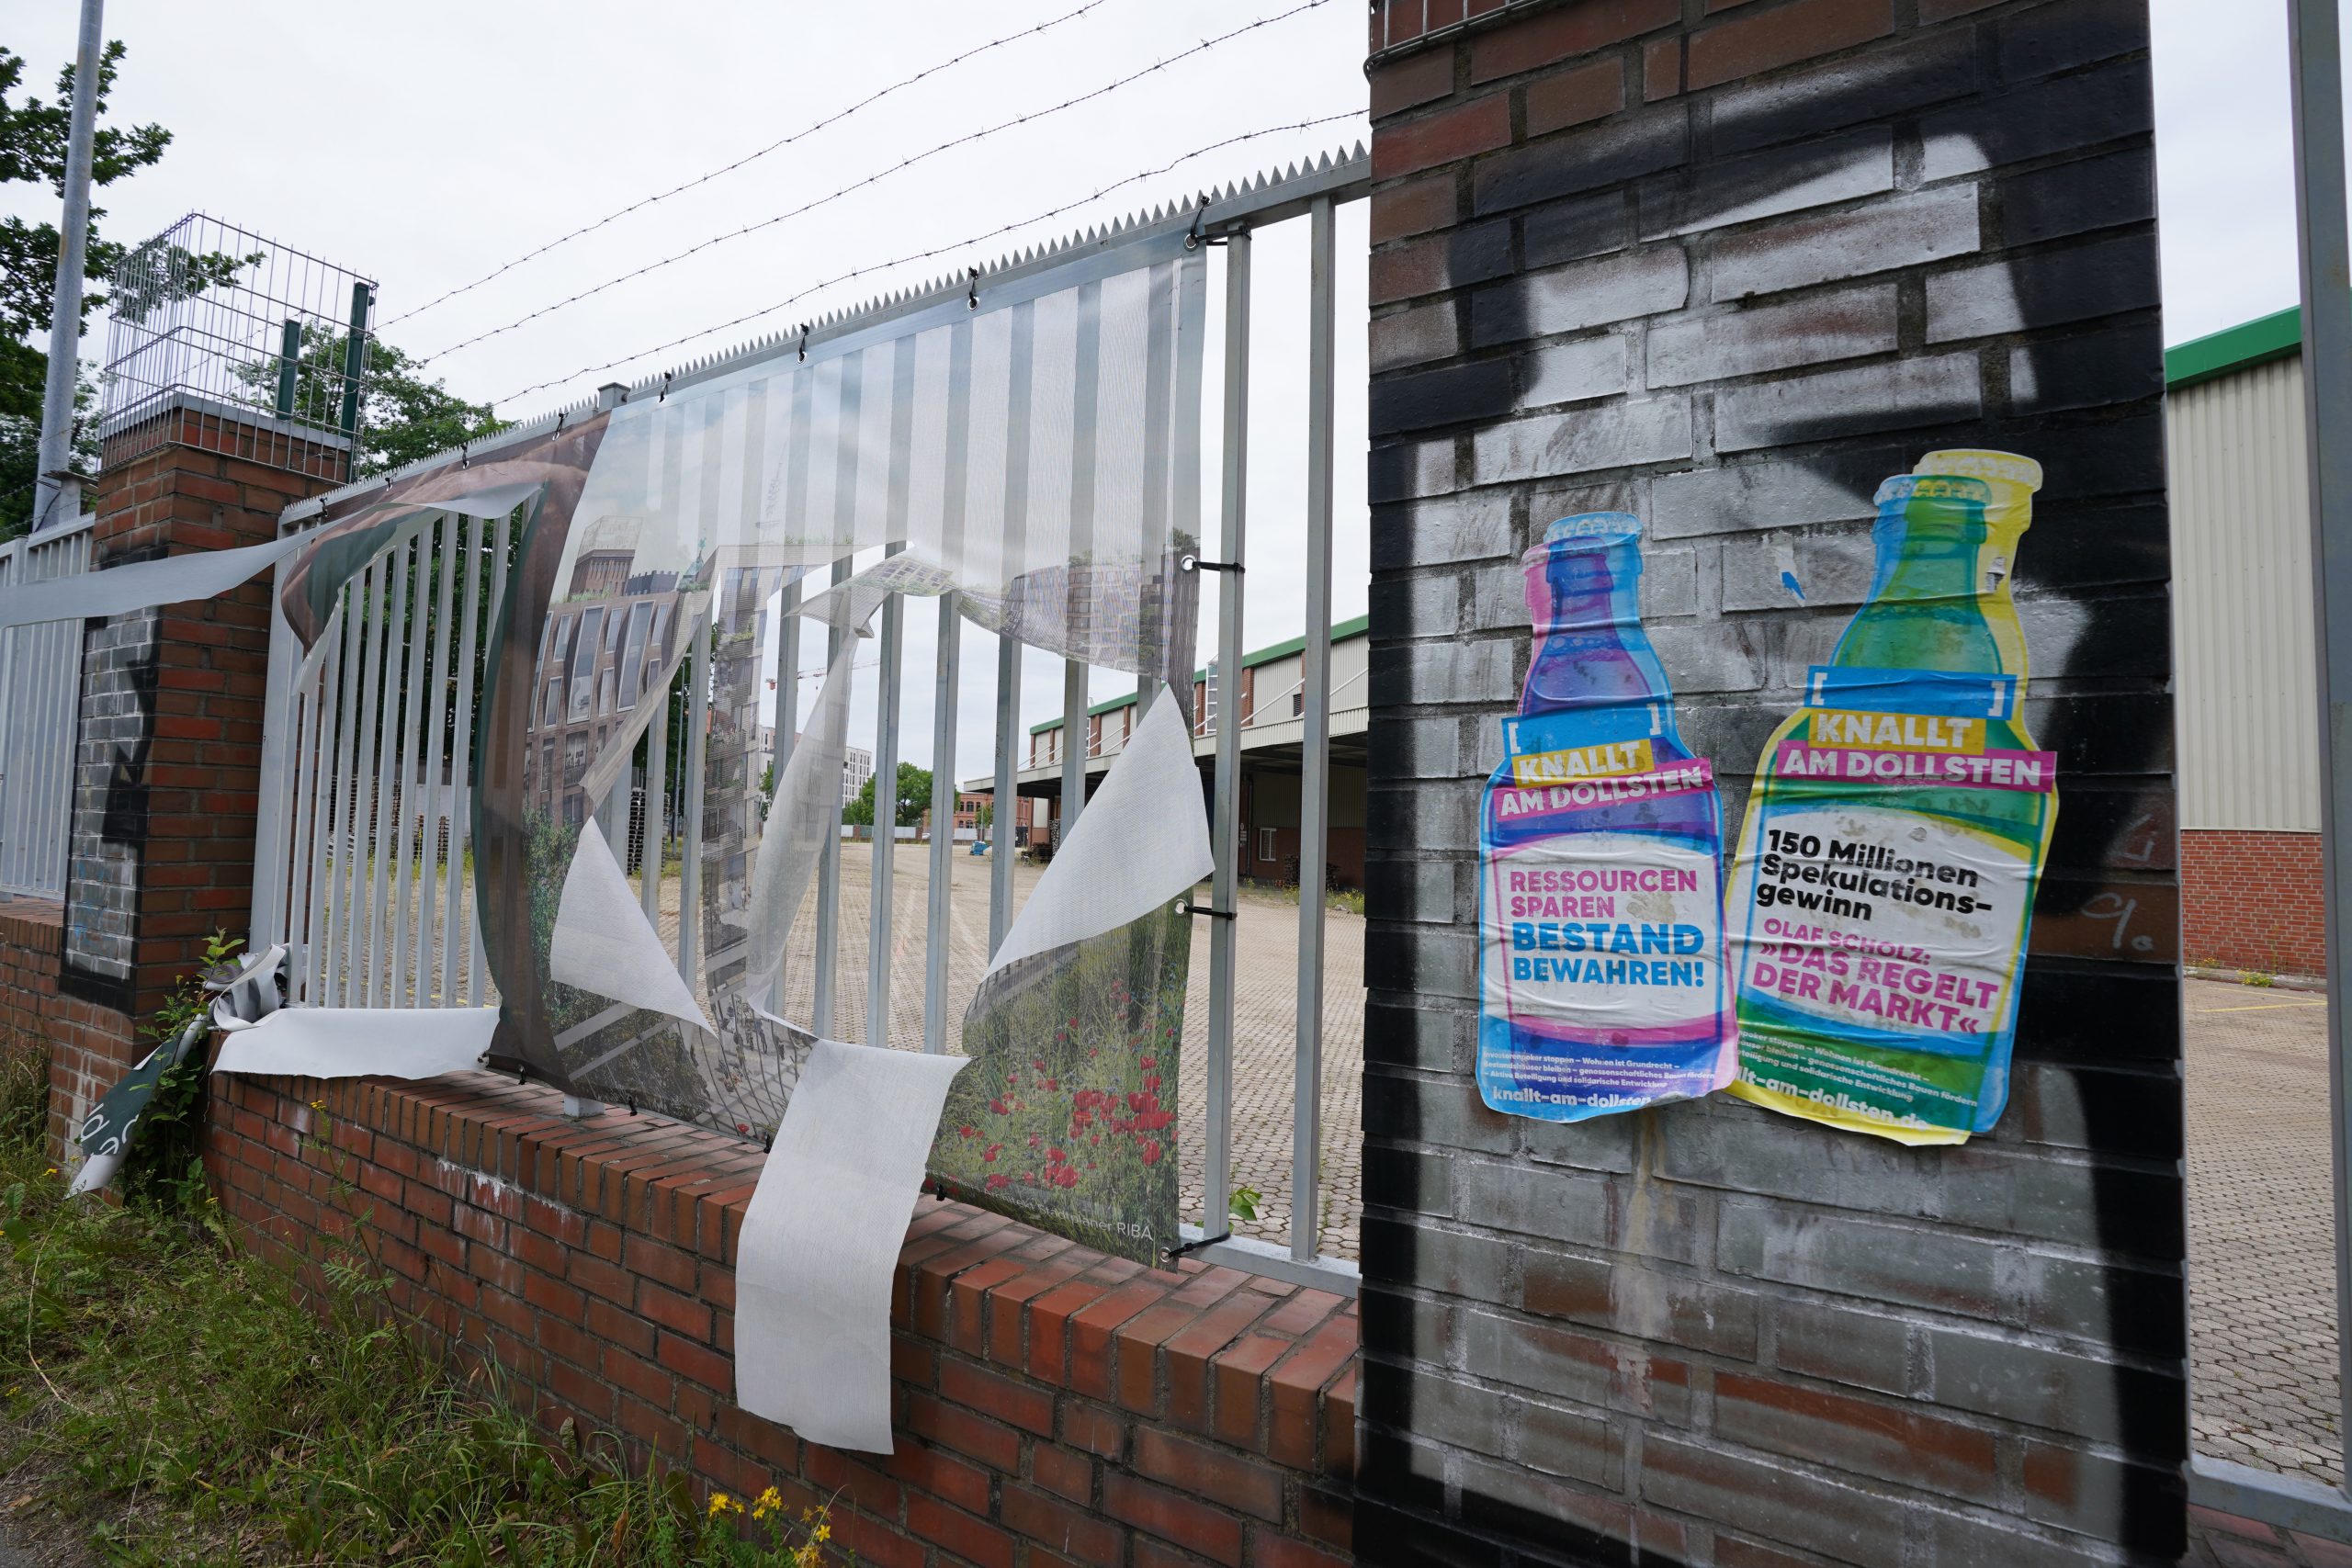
<point>33,135</point>
<point>402,416</point>
<point>914,798</point>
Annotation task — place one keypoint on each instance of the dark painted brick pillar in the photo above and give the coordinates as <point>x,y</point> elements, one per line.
<point>1727,264</point>
<point>169,747</point>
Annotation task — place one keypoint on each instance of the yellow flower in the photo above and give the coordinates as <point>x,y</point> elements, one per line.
<point>717,1504</point>
<point>50,1171</point>
<point>318,1105</point>
<point>767,1503</point>
<point>823,1532</point>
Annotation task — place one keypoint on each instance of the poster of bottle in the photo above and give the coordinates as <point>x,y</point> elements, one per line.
<point>1882,887</point>
<point>1600,946</point>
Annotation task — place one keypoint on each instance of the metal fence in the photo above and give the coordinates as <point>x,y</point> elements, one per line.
<point>364,775</point>
<point>40,690</point>
<point>359,865</point>
<point>209,321</point>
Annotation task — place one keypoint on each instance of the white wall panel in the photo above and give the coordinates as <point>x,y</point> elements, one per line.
<point>2241,583</point>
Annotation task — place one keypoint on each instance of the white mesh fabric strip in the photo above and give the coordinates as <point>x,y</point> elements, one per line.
<point>350,1043</point>
<point>603,943</point>
<point>821,1236</point>
<point>141,585</point>
<point>807,807</point>
<point>1142,840</point>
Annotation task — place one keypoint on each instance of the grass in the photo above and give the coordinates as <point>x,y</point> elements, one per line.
<point>174,1399</point>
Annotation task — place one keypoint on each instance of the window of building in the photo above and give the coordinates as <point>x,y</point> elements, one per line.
<point>1265,843</point>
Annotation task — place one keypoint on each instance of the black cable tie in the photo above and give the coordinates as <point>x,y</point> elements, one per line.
<point>1193,238</point>
<point>1186,906</point>
<point>804,342</point>
<point>1195,563</point>
<point>972,290</point>
<point>521,1072</point>
<point>465,454</point>
<point>1176,1252</point>
<point>666,387</point>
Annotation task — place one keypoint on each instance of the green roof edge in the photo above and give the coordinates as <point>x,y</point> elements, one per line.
<point>1355,625</point>
<point>2275,336</point>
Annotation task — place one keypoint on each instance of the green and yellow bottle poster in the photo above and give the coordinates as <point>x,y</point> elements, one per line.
<point>1882,886</point>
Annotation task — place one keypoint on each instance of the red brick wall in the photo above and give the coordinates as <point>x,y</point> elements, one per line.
<point>203,770</point>
<point>1052,1406</point>
<point>200,483</point>
<point>88,1043</point>
<point>2251,900</point>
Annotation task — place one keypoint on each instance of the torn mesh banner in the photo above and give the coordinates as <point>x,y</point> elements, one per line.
<point>1037,456</point>
<point>1068,1118</point>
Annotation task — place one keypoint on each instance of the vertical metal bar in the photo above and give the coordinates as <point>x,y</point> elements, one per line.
<point>431,933</point>
<point>657,771</point>
<point>458,894</point>
<point>358,671</point>
<point>1314,795</point>
<point>886,820</point>
<point>17,741</point>
<point>1073,746</point>
<point>1005,802</point>
<point>943,796</point>
<point>302,710</point>
<point>416,632</point>
<point>690,864</point>
<point>829,870</point>
<point>1225,815</point>
<point>2316,45</point>
<point>289,361</point>
<point>477,959</point>
<point>318,942</point>
<point>388,651</point>
<point>788,712</point>
<point>355,362</point>
<point>279,722</point>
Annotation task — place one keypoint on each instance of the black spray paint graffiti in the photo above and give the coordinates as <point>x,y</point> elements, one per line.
<point>1740,351</point>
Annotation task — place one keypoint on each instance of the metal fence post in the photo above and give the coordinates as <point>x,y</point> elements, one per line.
<point>2316,76</point>
<point>1216,1198</point>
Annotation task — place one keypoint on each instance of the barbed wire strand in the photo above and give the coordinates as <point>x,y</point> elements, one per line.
<point>776,146</point>
<point>903,163</point>
<point>934,250</point>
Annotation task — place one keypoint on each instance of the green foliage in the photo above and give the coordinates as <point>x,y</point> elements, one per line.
<point>402,416</point>
<point>914,798</point>
<point>146,1356</point>
<point>33,135</point>
<point>1245,1201</point>
<point>164,1155</point>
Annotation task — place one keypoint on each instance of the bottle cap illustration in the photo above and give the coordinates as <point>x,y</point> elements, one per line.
<point>1596,529</point>
<point>1934,487</point>
<point>1978,463</point>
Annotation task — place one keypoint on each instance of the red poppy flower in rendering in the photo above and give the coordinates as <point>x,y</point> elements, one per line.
<point>1150,1151</point>
<point>997,1182</point>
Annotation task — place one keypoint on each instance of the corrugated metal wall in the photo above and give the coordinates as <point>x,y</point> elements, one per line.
<point>2241,600</point>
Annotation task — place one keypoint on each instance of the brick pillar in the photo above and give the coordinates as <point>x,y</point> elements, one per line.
<point>1727,264</point>
<point>168,756</point>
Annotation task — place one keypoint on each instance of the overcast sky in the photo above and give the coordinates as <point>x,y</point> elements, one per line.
<point>425,145</point>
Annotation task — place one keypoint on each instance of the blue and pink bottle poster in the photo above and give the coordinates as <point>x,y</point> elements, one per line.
<point>1601,901</point>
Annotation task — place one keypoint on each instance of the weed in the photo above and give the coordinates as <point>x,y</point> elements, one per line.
<point>2257,977</point>
<point>149,1358</point>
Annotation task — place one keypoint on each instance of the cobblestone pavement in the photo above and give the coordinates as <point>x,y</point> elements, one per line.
<point>1265,1015</point>
<point>2261,1228</point>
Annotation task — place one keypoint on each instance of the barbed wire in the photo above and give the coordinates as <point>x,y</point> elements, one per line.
<point>702,179</point>
<point>936,251</point>
<point>902,164</point>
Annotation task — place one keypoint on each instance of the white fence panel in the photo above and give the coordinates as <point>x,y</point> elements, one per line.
<point>41,689</point>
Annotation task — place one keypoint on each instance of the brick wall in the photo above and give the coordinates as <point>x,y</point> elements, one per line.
<point>168,748</point>
<point>2253,900</point>
<point>1052,1406</point>
<point>1726,264</point>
